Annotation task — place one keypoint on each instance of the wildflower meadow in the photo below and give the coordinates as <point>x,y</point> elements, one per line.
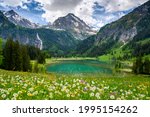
<point>30,86</point>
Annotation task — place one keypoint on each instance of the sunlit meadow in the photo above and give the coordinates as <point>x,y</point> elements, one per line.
<point>30,86</point>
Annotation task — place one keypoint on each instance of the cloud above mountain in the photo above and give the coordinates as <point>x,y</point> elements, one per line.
<point>94,12</point>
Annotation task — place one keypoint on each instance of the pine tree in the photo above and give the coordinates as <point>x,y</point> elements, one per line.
<point>17,56</point>
<point>146,66</point>
<point>8,52</point>
<point>41,58</point>
<point>138,66</point>
<point>25,59</point>
<point>1,56</point>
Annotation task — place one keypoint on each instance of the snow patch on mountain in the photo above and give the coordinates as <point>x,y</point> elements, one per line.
<point>18,20</point>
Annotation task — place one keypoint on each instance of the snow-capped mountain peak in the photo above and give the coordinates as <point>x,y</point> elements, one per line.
<point>74,25</point>
<point>18,20</point>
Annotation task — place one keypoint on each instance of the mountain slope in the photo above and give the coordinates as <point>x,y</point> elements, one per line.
<point>18,20</point>
<point>130,28</point>
<point>74,25</point>
<point>57,43</point>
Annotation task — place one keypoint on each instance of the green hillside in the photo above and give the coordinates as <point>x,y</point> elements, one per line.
<point>56,42</point>
<point>18,85</point>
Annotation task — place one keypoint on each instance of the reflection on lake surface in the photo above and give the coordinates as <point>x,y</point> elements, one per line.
<point>80,66</point>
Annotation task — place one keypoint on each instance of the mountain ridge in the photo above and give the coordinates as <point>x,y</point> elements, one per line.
<point>55,42</point>
<point>16,19</point>
<point>122,31</point>
<point>74,25</point>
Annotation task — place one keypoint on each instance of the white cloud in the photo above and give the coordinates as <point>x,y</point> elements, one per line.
<point>120,5</point>
<point>13,3</point>
<point>84,8</point>
<point>81,8</point>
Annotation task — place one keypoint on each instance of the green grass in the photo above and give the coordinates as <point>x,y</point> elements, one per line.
<point>105,57</point>
<point>32,86</point>
<point>40,68</point>
<point>145,41</point>
<point>115,53</point>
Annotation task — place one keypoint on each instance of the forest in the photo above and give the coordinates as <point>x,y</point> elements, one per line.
<point>16,57</point>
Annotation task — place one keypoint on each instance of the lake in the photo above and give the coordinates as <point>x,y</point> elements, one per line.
<point>80,66</point>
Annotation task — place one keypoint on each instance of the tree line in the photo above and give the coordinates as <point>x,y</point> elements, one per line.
<point>141,66</point>
<point>16,57</point>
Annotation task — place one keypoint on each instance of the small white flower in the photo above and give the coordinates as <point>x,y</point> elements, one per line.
<point>4,96</point>
<point>93,82</point>
<point>35,93</point>
<point>91,94</point>
<point>142,95</point>
<point>74,86</point>
<point>10,89</point>
<point>68,95</point>
<point>121,90</point>
<point>51,95</point>
<point>25,85</point>
<point>15,95</point>
<point>67,90</point>
<point>97,95</point>
<point>31,89</point>
<point>112,97</point>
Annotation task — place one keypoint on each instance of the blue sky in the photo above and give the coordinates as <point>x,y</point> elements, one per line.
<point>95,13</point>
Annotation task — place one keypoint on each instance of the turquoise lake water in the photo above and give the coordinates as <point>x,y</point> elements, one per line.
<point>80,66</point>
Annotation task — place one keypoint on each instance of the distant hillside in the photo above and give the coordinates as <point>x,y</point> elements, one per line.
<point>125,32</point>
<point>57,43</point>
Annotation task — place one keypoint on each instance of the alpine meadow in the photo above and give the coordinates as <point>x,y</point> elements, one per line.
<point>75,52</point>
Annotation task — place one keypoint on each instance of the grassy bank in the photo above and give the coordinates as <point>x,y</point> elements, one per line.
<point>22,85</point>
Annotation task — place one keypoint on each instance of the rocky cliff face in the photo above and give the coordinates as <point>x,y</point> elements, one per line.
<point>18,20</point>
<point>56,42</point>
<point>124,30</point>
<point>77,27</point>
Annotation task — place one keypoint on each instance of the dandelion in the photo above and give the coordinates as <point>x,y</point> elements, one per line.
<point>97,95</point>
<point>4,96</point>
<point>68,95</point>
<point>15,94</point>
<point>112,97</point>
<point>91,94</point>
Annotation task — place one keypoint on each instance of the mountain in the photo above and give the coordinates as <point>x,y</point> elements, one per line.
<point>125,32</point>
<point>77,27</point>
<point>18,20</point>
<point>55,42</point>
